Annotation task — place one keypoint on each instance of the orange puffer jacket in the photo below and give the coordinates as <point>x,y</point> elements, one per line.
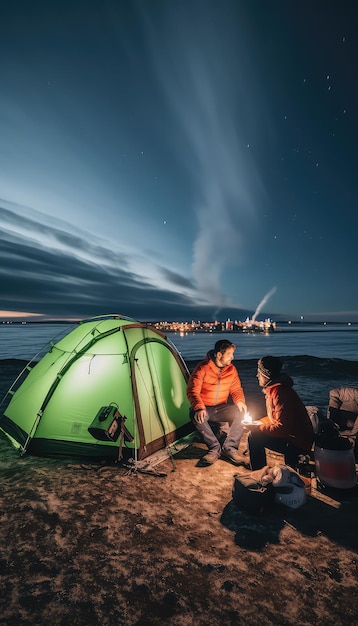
<point>210,385</point>
<point>286,414</point>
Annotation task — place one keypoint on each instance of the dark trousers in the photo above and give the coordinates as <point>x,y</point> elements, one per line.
<point>220,414</point>
<point>258,441</point>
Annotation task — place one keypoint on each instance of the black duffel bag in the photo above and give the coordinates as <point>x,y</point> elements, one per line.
<point>250,494</point>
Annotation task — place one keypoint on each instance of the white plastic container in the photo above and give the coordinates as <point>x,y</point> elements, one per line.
<point>336,468</point>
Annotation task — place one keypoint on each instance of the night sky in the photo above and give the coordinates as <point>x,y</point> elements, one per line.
<point>179,159</point>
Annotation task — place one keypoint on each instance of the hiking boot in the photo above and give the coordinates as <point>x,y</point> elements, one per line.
<point>235,457</point>
<point>210,457</point>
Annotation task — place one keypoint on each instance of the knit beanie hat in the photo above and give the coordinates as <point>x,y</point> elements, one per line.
<point>270,366</point>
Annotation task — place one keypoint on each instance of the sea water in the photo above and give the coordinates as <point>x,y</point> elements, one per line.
<point>334,342</point>
<point>24,341</point>
<point>318,358</point>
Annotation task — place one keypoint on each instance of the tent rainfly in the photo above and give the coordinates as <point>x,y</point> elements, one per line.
<point>111,386</point>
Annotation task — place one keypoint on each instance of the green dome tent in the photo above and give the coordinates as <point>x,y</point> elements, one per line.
<point>110,386</point>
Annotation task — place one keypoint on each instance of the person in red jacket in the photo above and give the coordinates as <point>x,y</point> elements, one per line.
<point>287,427</point>
<point>216,397</point>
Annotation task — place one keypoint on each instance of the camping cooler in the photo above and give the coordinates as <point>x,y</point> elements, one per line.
<point>336,468</point>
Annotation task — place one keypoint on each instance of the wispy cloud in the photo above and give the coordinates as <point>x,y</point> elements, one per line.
<point>215,103</point>
<point>44,268</point>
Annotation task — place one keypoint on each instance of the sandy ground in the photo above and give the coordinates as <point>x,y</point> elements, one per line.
<point>87,545</point>
<point>98,545</point>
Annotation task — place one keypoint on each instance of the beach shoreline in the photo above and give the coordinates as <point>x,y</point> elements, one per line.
<point>313,378</point>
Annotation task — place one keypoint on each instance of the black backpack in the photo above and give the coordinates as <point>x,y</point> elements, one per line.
<point>250,494</point>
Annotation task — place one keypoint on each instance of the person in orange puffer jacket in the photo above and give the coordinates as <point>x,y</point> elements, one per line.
<point>287,427</point>
<point>216,396</point>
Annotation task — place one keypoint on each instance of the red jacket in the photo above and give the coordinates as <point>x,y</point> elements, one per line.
<point>209,384</point>
<point>286,414</point>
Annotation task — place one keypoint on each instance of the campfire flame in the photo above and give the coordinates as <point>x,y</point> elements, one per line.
<point>247,418</point>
